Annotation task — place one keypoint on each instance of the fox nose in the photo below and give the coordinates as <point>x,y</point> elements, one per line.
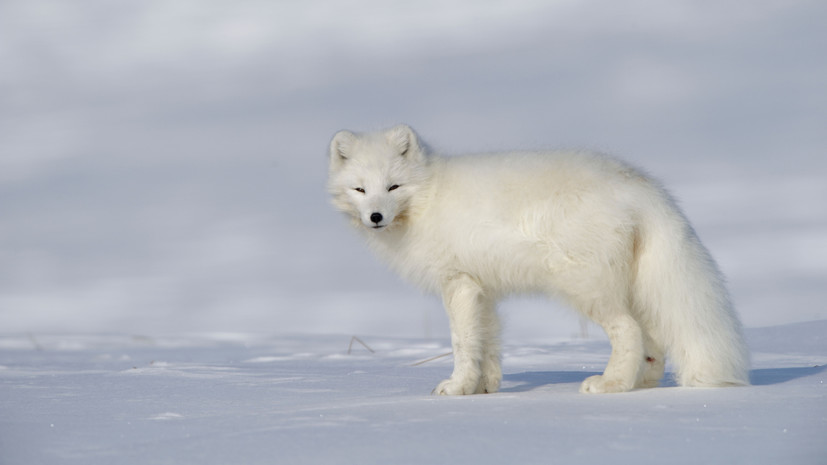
<point>376,217</point>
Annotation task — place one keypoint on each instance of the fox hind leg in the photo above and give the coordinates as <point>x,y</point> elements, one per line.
<point>626,364</point>
<point>491,370</point>
<point>654,363</point>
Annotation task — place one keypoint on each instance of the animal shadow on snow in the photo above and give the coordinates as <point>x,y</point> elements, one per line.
<point>531,380</point>
<point>770,376</point>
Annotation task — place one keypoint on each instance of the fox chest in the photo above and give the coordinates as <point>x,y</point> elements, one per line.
<point>500,262</point>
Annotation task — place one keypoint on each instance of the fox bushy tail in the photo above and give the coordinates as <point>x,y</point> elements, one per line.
<point>681,297</point>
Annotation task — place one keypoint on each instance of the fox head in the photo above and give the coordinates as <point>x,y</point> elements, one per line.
<point>373,177</point>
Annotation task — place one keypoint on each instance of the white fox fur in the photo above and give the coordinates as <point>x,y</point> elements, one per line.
<point>580,226</point>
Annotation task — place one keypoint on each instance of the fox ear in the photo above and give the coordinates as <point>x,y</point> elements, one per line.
<point>405,140</point>
<point>340,148</point>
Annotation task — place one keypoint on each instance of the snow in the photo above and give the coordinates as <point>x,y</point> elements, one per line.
<point>175,288</point>
<point>259,398</point>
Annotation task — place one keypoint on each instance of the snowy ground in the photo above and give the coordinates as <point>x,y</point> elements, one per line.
<point>250,399</point>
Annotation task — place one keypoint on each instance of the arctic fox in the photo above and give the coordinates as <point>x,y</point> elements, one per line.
<point>583,227</point>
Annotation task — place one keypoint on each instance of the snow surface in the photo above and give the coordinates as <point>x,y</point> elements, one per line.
<point>261,399</point>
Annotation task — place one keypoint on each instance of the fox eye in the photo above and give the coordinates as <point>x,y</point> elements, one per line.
<point>393,187</point>
<point>359,189</point>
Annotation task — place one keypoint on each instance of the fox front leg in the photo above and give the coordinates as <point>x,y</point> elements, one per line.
<point>474,337</point>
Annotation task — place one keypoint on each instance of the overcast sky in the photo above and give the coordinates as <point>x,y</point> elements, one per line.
<point>162,164</point>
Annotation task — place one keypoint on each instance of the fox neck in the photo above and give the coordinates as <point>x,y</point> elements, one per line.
<point>399,243</point>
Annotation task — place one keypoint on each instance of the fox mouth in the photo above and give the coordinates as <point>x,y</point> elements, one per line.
<point>378,226</point>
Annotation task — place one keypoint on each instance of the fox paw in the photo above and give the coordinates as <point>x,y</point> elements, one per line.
<point>453,387</point>
<point>598,384</point>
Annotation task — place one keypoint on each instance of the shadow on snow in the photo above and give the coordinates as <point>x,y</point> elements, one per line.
<point>530,380</point>
<point>769,376</point>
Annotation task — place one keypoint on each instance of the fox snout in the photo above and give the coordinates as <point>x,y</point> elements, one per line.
<point>376,220</point>
<point>377,212</point>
